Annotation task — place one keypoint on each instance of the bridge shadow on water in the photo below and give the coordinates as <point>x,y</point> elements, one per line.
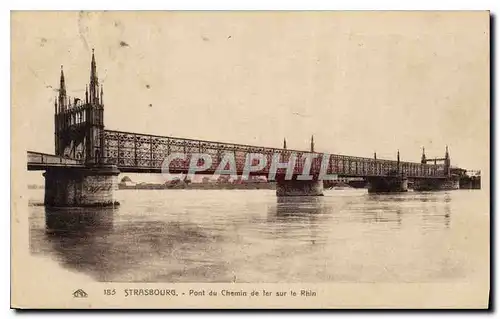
<point>101,244</point>
<point>78,222</point>
<point>77,237</point>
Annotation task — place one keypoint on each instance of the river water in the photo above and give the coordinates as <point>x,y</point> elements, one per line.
<point>252,236</point>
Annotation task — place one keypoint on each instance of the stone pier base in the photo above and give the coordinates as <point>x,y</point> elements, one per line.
<point>387,184</point>
<point>298,188</point>
<point>430,184</point>
<point>80,187</point>
<point>470,182</point>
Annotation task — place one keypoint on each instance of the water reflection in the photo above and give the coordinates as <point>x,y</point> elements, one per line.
<point>77,237</point>
<point>429,197</point>
<point>434,208</point>
<point>437,214</point>
<point>299,217</point>
<point>447,211</point>
<point>381,209</point>
<point>78,222</point>
<point>388,198</point>
<point>93,242</point>
<point>447,198</point>
<point>384,214</point>
<point>298,208</point>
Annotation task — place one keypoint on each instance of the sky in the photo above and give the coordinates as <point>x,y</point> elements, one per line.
<point>358,81</point>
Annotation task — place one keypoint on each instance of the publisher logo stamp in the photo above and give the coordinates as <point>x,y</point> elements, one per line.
<point>80,294</point>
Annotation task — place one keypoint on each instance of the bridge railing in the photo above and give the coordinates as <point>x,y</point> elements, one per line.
<point>141,151</point>
<point>49,159</point>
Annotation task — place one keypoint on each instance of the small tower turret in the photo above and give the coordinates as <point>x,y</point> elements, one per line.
<point>398,165</point>
<point>97,95</point>
<point>102,94</point>
<point>447,162</point>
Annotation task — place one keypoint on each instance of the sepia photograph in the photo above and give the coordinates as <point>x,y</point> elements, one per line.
<point>250,159</point>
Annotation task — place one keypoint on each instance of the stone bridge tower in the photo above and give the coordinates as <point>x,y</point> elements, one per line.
<point>79,134</point>
<point>79,123</point>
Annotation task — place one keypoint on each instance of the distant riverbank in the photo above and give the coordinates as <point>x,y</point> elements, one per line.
<point>212,186</point>
<point>182,185</point>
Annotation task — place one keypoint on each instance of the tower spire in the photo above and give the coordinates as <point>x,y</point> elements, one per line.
<point>423,160</point>
<point>284,143</point>
<point>94,82</point>
<point>312,143</point>
<point>62,90</point>
<point>447,155</point>
<point>374,155</point>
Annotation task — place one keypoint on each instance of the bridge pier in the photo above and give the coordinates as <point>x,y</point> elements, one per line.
<point>80,186</point>
<point>387,184</point>
<point>436,184</point>
<point>296,187</point>
<point>470,182</point>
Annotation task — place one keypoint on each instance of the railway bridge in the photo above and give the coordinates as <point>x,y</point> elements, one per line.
<point>88,158</point>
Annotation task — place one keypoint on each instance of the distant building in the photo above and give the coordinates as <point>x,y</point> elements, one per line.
<point>205,180</point>
<point>223,179</point>
<point>126,181</point>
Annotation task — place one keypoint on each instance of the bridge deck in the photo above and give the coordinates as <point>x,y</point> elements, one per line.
<point>41,161</point>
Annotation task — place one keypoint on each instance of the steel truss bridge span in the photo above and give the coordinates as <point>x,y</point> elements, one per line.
<point>134,152</point>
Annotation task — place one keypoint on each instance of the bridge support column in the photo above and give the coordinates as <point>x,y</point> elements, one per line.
<point>387,184</point>
<point>470,182</point>
<point>436,184</point>
<point>296,187</point>
<point>80,187</point>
